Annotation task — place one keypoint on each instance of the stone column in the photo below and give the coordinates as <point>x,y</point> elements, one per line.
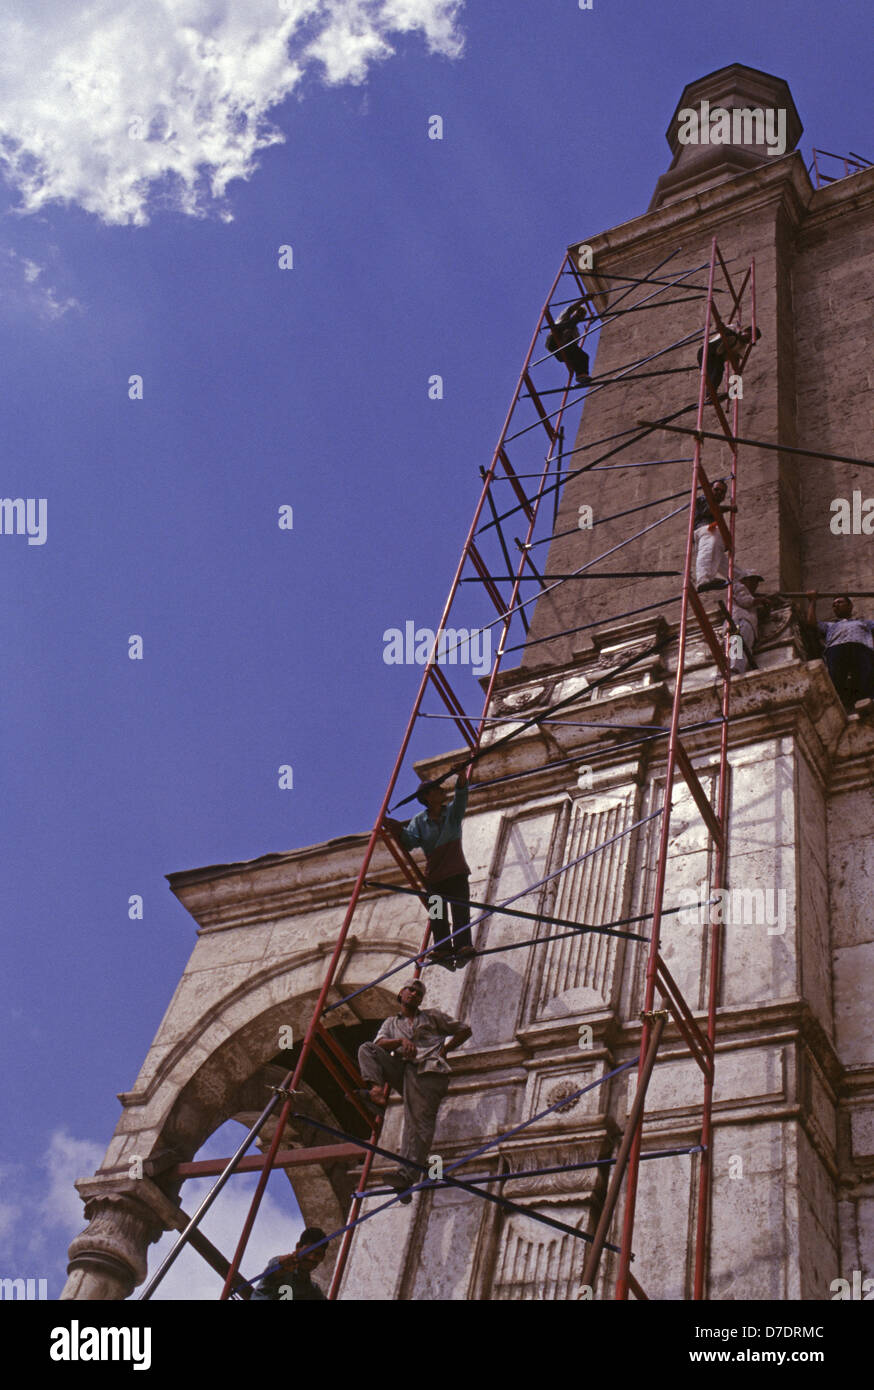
<point>125,1216</point>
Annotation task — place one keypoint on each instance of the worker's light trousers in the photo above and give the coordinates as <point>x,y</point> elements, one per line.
<point>422,1093</point>
<point>711,559</point>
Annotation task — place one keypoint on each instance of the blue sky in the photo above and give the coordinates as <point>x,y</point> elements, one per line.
<point>261,388</point>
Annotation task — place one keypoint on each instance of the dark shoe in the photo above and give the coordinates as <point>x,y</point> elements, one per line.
<point>711,584</point>
<point>444,958</point>
<point>400,1182</point>
<point>464,957</point>
<point>374,1110</point>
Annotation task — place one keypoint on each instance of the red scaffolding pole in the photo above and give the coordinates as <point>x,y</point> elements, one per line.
<point>319,1043</point>
<point>317,1040</point>
<point>701,1044</point>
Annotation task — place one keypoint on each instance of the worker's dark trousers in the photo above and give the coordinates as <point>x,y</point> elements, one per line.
<point>576,358</point>
<point>851,667</point>
<point>422,1093</point>
<point>715,366</point>
<point>440,901</point>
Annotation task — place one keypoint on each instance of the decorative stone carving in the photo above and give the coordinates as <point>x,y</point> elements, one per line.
<point>538,1266</point>
<point>522,699</point>
<point>582,968</point>
<point>564,1088</point>
<point>108,1259</point>
<point>581,1182</point>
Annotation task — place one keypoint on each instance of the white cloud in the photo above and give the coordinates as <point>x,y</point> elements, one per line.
<point>66,1160</point>
<point>42,1212</point>
<point>121,106</point>
<point>276,1232</point>
<point>20,276</point>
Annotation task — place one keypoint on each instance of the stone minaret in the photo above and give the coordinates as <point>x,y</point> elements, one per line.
<point>793,1192</point>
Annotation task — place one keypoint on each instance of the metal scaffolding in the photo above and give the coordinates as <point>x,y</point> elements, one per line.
<point>488,567</point>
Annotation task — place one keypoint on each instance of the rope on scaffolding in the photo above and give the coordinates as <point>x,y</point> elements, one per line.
<point>566,632</point>
<point>462,1183</point>
<point>579,928</point>
<point>599,622</point>
<point>415,960</point>
<point>562,723</point>
<point>597,381</point>
<point>577,757</point>
<point>623,666</point>
<point>577,574</point>
<point>596,559</point>
<point>638,434</point>
<point>625,374</point>
<point>499,1139</point>
<point>610,310</point>
<point>511,1176</point>
<point>602,520</point>
<point>763,444</point>
<point>416,1187</point>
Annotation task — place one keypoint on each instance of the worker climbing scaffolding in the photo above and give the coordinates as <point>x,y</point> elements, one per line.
<point>436,830</point>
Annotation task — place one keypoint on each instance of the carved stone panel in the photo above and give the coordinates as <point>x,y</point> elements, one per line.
<point>495,983</point>
<point>535,1263</point>
<point>577,973</point>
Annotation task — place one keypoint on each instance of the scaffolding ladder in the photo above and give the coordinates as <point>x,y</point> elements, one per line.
<point>531,416</point>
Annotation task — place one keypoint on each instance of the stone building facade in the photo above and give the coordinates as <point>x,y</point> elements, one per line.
<point>793,1186</point>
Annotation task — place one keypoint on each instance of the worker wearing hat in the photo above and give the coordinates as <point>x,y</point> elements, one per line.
<point>745,609</point>
<point>409,1054</point>
<point>437,831</point>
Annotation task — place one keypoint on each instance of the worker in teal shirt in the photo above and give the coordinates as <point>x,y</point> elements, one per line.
<point>437,831</point>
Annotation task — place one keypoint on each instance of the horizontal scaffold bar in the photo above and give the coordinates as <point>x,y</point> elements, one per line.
<point>761,444</point>
<point>540,1172</point>
<point>491,908</point>
<point>286,1158</point>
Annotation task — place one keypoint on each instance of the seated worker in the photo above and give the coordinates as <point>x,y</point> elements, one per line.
<point>288,1277</point>
<point>437,830</point>
<point>849,649</point>
<point>420,1073</point>
<point>711,557</point>
<point>562,342</point>
<point>745,608</point>
<point>718,345</point>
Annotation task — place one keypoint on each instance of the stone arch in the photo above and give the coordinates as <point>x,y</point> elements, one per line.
<point>213,1059</point>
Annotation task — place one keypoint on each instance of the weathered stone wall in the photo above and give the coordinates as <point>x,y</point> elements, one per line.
<point>793,1149</point>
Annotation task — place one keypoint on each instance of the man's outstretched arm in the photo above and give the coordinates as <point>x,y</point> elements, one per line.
<point>460,1036</point>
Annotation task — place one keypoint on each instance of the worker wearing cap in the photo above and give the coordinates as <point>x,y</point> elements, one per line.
<point>732,339</point>
<point>563,342</point>
<point>409,1054</point>
<point>437,831</point>
<point>745,615</point>
<point>849,649</point>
